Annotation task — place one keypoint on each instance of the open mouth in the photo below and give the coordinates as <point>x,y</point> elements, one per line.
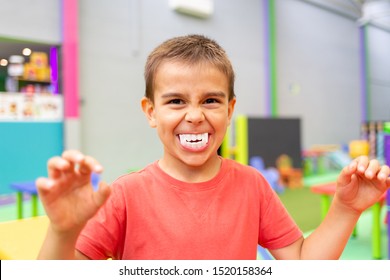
<point>194,141</point>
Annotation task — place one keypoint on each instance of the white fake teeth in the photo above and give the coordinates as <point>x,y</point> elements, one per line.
<point>194,141</point>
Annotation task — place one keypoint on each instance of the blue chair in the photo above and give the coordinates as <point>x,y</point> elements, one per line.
<point>30,188</point>
<point>95,179</point>
<point>270,174</point>
<point>21,188</point>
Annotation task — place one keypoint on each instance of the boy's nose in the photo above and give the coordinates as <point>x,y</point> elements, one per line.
<point>194,115</point>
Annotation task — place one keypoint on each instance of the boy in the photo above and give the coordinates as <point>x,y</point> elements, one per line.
<point>191,204</point>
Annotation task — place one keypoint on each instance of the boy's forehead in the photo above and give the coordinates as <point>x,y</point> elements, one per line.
<point>201,66</point>
<point>174,75</point>
<point>169,73</point>
<point>175,67</point>
<point>187,64</point>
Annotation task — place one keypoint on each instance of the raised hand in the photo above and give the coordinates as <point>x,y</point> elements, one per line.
<point>67,194</point>
<point>362,183</point>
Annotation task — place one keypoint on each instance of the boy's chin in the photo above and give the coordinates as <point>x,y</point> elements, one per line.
<point>198,161</point>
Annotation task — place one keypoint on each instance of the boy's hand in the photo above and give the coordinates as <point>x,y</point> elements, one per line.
<point>67,194</point>
<point>362,183</point>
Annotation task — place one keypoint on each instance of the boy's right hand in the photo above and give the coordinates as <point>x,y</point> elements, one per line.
<point>67,194</point>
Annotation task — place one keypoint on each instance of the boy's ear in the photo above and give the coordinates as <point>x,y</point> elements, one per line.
<point>148,108</point>
<point>231,105</point>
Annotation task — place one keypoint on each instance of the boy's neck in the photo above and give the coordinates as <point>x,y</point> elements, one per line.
<point>191,174</point>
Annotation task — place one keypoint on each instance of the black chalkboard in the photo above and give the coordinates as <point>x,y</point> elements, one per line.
<point>272,137</point>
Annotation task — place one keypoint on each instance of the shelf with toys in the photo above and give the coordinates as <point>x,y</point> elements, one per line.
<point>36,107</point>
<point>31,90</point>
<point>31,113</point>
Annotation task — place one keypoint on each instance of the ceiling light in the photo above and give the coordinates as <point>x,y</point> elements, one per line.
<point>3,62</point>
<point>26,51</point>
<point>377,11</point>
<point>196,8</point>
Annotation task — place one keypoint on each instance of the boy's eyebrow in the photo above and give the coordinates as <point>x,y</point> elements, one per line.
<point>216,94</point>
<point>171,95</point>
<point>208,94</point>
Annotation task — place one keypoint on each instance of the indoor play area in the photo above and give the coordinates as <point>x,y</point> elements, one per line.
<point>306,187</point>
<point>304,181</point>
<point>312,87</point>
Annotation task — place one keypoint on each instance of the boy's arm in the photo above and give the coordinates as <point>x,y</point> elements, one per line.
<point>359,186</point>
<point>69,201</point>
<point>60,247</point>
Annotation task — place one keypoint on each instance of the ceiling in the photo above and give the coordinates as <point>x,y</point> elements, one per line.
<point>350,8</point>
<point>375,12</point>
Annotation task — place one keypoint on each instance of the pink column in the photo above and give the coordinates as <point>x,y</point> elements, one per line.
<point>70,69</point>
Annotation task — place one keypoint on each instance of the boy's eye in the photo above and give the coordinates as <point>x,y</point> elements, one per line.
<point>175,101</point>
<point>211,100</point>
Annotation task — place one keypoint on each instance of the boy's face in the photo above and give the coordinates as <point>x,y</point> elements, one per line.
<point>191,112</point>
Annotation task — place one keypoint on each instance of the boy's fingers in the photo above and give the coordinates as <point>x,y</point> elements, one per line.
<point>345,175</point>
<point>102,193</point>
<point>384,173</point>
<point>44,184</point>
<point>362,163</point>
<point>89,164</point>
<point>56,165</point>
<point>388,183</point>
<point>372,169</point>
<point>73,156</point>
<point>73,160</point>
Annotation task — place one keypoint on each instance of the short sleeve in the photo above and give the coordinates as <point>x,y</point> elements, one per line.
<point>277,228</point>
<point>101,238</point>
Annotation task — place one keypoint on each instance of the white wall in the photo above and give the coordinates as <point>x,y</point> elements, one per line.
<point>378,46</point>
<point>317,59</point>
<point>35,20</point>
<point>318,71</point>
<point>115,39</point>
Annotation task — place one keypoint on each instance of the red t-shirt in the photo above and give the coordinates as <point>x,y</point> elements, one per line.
<point>151,215</point>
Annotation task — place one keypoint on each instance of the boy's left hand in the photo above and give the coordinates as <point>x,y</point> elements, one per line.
<point>362,183</point>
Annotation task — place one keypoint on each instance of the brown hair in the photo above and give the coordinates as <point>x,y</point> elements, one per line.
<point>191,49</point>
